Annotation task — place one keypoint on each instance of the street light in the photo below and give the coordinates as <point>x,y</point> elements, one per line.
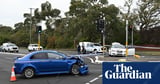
<point>30,25</point>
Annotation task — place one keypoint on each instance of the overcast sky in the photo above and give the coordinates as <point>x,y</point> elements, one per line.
<point>11,11</point>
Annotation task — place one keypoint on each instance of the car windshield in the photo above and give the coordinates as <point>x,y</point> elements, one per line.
<point>90,45</point>
<point>118,46</point>
<point>12,45</point>
<point>35,45</point>
<point>96,44</point>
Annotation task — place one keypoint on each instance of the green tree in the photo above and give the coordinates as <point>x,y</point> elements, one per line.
<point>5,33</point>
<point>148,13</point>
<point>148,17</point>
<point>79,24</point>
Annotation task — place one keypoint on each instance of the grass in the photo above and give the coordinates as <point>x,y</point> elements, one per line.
<point>148,53</point>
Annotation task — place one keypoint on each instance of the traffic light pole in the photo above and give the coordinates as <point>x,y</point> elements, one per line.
<point>126,38</point>
<point>39,40</point>
<point>104,30</point>
<point>132,36</point>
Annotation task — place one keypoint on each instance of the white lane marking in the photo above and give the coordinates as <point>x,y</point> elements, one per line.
<point>100,76</point>
<point>94,79</point>
<point>92,61</point>
<point>84,55</point>
<point>13,53</point>
<point>9,58</point>
<point>97,60</point>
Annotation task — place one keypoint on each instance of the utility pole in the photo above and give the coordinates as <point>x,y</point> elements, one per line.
<point>30,31</point>
<point>132,36</point>
<point>126,38</point>
<point>104,37</point>
<point>101,28</point>
<point>39,31</point>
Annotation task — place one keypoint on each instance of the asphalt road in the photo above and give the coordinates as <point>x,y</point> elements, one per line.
<point>94,76</point>
<point>6,63</point>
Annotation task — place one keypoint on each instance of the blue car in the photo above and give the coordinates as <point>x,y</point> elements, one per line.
<point>49,62</point>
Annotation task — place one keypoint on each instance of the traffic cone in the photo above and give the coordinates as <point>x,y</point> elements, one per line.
<point>137,56</point>
<point>13,76</point>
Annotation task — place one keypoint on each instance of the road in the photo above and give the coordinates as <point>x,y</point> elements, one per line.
<point>6,63</point>
<point>94,76</point>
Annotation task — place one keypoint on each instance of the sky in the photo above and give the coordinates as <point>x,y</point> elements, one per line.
<point>11,11</point>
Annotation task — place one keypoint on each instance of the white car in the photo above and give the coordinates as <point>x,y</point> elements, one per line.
<point>34,47</point>
<point>90,47</point>
<point>118,49</point>
<point>10,47</point>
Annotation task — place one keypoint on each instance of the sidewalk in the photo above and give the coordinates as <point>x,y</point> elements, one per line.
<point>101,58</point>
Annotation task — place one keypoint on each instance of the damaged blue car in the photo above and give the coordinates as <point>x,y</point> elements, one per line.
<point>49,62</point>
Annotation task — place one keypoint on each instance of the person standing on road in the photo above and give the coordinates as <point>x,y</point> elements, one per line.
<point>83,50</point>
<point>79,49</point>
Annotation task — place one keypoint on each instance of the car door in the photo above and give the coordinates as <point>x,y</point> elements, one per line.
<point>41,62</point>
<point>58,63</point>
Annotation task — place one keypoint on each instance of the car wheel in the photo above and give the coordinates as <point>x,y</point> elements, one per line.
<point>28,73</point>
<point>75,69</point>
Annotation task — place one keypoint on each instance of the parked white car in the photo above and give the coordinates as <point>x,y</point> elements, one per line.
<point>118,49</point>
<point>10,47</point>
<point>34,47</point>
<point>90,47</point>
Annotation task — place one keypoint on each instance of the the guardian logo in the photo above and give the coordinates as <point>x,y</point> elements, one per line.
<point>126,72</point>
<point>131,72</point>
<point>120,71</point>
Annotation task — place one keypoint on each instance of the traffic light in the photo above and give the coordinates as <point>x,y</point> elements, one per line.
<point>39,29</point>
<point>100,24</point>
<point>97,24</point>
<point>130,28</point>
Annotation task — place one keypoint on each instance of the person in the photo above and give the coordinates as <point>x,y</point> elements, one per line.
<point>83,50</point>
<point>79,49</point>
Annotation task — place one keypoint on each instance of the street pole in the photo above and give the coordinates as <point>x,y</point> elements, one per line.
<point>30,31</point>
<point>126,38</point>
<point>132,36</point>
<point>39,40</point>
<point>104,35</point>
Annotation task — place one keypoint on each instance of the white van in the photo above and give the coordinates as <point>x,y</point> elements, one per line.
<point>118,49</point>
<point>10,47</point>
<point>90,47</point>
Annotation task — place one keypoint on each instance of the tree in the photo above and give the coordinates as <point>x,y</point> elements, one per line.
<point>148,14</point>
<point>80,22</point>
<point>51,17</point>
<point>5,33</point>
<point>48,14</point>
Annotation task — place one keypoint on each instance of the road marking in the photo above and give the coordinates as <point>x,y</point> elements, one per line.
<point>94,79</point>
<point>97,60</point>
<point>100,76</point>
<point>12,53</point>
<point>92,61</point>
<point>85,55</point>
<point>9,58</point>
